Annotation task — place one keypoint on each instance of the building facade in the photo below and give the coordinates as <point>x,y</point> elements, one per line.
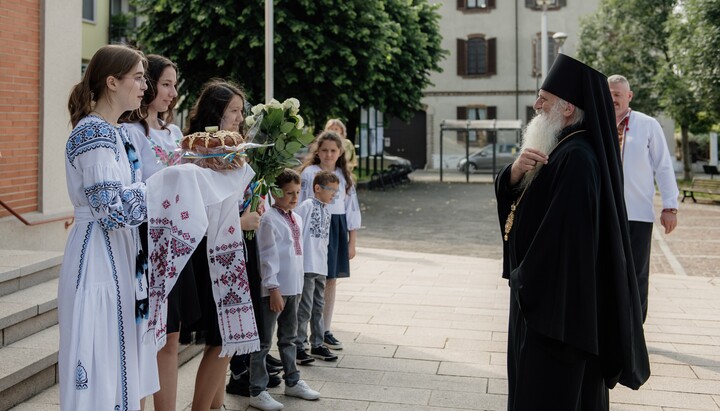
<point>494,66</point>
<point>39,63</point>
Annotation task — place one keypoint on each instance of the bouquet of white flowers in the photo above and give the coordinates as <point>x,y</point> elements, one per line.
<point>280,129</point>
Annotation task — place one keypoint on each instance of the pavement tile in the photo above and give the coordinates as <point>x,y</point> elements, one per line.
<point>469,400</point>
<point>497,386</point>
<point>443,354</point>
<point>472,370</point>
<point>405,340</point>
<point>389,364</point>
<point>366,392</point>
<point>432,382</point>
<point>678,384</point>
<point>707,373</point>
<point>380,406</point>
<point>480,345</point>
<point>646,396</point>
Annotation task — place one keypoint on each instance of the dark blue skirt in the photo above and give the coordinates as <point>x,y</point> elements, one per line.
<point>338,260</point>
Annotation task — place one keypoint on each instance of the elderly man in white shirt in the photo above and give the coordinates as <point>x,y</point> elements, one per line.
<point>646,159</point>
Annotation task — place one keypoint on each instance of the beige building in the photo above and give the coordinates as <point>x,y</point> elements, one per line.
<point>493,70</point>
<point>40,63</point>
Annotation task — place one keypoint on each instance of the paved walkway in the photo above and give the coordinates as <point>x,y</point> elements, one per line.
<point>428,332</point>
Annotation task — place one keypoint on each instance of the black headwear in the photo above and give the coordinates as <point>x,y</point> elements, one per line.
<point>622,342</point>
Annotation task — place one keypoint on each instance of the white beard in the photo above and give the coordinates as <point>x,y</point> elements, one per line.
<point>542,134</point>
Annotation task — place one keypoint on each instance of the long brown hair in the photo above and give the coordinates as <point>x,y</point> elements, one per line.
<point>155,68</point>
<point>341,163</point>
<point>210,106</point>
<point>111,60</point>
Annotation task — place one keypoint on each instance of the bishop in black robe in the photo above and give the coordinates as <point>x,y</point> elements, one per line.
<point>575,325</point>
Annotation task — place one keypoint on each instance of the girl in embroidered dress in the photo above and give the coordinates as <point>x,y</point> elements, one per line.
<point>221,103</point>
<point>327,155</point>
<point>156,139</point>
<point>106,357</point>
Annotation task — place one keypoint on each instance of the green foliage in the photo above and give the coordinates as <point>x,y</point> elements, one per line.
<point>629,38</point>
<point>668,50</point>
<point>333,56</point>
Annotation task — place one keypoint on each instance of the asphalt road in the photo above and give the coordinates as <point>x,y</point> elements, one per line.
<point>446,218</point>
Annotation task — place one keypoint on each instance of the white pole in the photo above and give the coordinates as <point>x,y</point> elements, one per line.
<point>269,74</point>
<point>713,149</point>
<point>544,42</point>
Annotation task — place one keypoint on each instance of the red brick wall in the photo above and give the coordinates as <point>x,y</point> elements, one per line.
<point>19,104</point>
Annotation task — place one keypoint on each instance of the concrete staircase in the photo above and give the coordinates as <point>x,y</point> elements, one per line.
<point>29,332</point>
<point>28,323</point>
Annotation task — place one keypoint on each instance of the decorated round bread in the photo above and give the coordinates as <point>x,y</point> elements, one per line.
<point>211,139</point>
<point>213,149</point>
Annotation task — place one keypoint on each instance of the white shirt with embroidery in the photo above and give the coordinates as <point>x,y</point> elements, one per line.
<point>646,159</point>
<point>156,150</point>
<point>315,235</point>
<point>280,251</point>
<point>342,203</point>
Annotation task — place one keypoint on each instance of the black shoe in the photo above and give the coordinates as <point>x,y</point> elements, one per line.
<point>274,380</point>
<point>323,353</point>
<point>271,367</point>
<point>302,358</point>
<point>332,342</point>
<point>273,361</point>
<point>241,385</point>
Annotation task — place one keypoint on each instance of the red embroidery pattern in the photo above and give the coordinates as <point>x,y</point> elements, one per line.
<point>184,215</point>
<point>165,204</point>
<point>294,228</point>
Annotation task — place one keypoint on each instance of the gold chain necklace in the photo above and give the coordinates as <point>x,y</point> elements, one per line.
<point>511,217</point>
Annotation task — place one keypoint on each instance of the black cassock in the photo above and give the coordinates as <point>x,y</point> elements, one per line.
<point>572,331</point>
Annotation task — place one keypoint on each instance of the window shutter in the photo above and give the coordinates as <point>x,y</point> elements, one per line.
<point>492,115</point>
<point>492,56</point>
<point>461,4</point>
<point>530,4</point>
<point>491,4</point>
<point>461,115</point>
<point>461,57</point>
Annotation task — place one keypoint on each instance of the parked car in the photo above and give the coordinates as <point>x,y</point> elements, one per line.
<point>482,160</point>
<point>388,160</point>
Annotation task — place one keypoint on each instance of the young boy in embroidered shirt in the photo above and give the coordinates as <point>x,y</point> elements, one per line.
<point>316,235</point>
<point>279,239</point>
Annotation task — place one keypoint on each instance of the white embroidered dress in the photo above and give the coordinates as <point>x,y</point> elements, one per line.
<point>106,358</point>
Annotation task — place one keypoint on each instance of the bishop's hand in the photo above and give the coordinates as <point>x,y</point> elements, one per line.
<point>527,161</point>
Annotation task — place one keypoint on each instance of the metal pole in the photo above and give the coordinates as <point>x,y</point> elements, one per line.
<point>467,152</point>
<point>441,152</point>
<point>269,74</point>
<point>544,41</point>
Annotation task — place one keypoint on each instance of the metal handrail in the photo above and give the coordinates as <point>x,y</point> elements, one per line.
<point>69,219</point>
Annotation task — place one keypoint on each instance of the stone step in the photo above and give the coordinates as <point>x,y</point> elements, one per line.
<point>21,269</point>
<point>28,366</point>
<point>28,311</point>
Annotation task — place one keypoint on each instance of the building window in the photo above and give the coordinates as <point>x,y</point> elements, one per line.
<point>476,112</point>
<point>552,53</point>
<point>476,56</point>
<point>551,4</point>
<point>88,10</point>
<point>475,5</point>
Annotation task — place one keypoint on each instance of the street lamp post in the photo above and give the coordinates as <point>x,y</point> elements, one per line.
<point>269,73</point>
<point>560,38</point>
<point>543,36</point>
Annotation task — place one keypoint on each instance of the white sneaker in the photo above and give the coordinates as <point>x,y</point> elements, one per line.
<point>301,390</point>
<point>265,402</point>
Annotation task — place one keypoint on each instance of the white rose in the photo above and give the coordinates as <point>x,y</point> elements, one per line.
<point>249,121</point>
<point>300,123</point>
<point>291,103</point>
<point>257,109</point>
<point>274,104</point>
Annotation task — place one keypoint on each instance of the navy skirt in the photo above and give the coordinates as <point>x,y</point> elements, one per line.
<point>338,259</point>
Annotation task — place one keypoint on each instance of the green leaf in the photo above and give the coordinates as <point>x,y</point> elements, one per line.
<point>277,192</point>
<point>287,127</point>
<point>306,139</point>
<point>279,144</point>
<point>292,147</point>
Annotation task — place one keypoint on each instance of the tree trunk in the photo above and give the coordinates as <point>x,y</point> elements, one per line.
<point>687,160</point>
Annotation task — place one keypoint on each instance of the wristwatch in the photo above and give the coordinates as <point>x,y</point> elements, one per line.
<point>670,210</point>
